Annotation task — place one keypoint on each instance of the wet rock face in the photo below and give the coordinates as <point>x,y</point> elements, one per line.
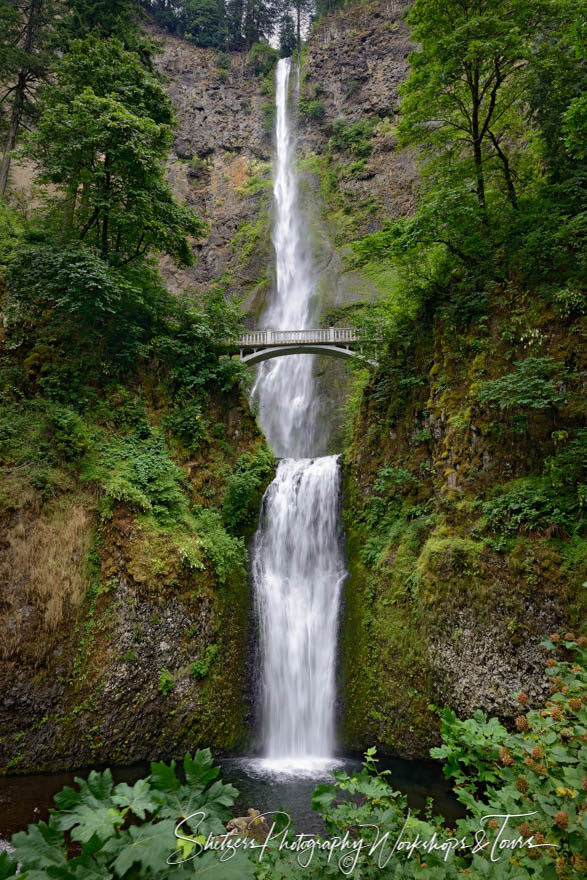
<point>476,663</point>
<point>218,145</point>
<point>356,61</point>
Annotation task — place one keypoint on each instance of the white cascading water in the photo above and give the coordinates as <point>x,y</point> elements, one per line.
<point>297,558</point>
<point>284,387</point>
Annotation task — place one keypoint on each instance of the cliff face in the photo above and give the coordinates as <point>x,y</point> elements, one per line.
<point>220,165</point>
<point>458,564</point>
<point>126,637</point>
<point>354,64</point>
<point>351,69</point>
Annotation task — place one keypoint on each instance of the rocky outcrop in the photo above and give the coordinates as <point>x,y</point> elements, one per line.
<point>354,65</point>
<point>220,147</point>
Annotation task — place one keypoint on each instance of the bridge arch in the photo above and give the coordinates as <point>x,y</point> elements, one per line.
<point>274,351</point>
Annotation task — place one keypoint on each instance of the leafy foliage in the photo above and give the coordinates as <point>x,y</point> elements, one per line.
<point>529,510</point>
<point>534,384</point>
<point>262,58</point>
<point>353,137</point>
<point>245,487</point>
<point>312,108</point>
<point>111,174</point>
<point>166,683</point>
<point>201,668</point>
<point>95,816</point>
<point>224,24</point>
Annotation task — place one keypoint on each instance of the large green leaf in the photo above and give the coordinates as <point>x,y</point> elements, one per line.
<point>40,847</point>
<point>147,846</point>
<point>238,867</point>
<point>137,798</point>
<point>200,769</point>
<point>8,867</point>
<point>87,822</point>
<point>163,776</point>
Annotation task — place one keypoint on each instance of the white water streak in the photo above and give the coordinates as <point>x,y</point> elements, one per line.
<point>284,387</point>
<point>297,558</point>
<point>298,571</point>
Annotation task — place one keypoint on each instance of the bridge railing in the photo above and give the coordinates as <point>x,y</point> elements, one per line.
<point>335,335</point>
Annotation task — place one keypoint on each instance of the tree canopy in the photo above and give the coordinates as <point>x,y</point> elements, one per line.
<point>102,136</point>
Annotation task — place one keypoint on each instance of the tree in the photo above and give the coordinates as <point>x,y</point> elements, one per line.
<point>104,18</point>
<point>287,35</point>
<point>233,11</point>
<point>464,100</point>
<point>259,17</point>
<point>203,22</point>
<point>102,136</point>
<point>300,8</point>
<point>25,58</point>
<point>558,81</point>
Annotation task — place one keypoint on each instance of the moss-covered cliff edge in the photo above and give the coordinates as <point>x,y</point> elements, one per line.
<point>460,519</point>
<point>126,632</point>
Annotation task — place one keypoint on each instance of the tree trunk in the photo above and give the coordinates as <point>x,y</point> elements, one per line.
<point>19,96</point>
<point>473,79</point>
<point>15,117</point>
<point>507,171</point>
<point>69,211</point>
<point>105,221</point>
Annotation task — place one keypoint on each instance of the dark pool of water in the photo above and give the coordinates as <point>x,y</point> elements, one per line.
<point>26,799</point>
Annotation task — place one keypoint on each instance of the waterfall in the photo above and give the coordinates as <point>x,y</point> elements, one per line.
<point>298,571</point>
<point>297,558</point>
<point>284,387</point>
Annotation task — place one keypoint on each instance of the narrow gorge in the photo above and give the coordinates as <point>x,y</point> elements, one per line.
<point>292,562</point>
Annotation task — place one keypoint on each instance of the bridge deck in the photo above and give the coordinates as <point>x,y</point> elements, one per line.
<point>336,335</point>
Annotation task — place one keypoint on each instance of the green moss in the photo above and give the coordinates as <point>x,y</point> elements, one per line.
<point>385,669</point>
<point>458,539</point>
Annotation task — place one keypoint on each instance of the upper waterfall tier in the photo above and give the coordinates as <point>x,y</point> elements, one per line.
<point>285,389</point>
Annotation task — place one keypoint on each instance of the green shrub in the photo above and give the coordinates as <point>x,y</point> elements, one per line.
<point>245,489</point>
<point>166,682</point>
<point>70,434</point>
<point>227,553</point>
<point>201,668</point>
<point>11,230</point>
<point>384,511</point>
<point>199,166</point>
<point>312,108</point>
<point>566,468</point>
<point>353,137</point>
<point>533,384</point>
<point>569,301</point>
<point>222,60</point>
<point>187,422</point>
<point>138,470</point>
<point>530,509</point>
<point>262,58</point>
